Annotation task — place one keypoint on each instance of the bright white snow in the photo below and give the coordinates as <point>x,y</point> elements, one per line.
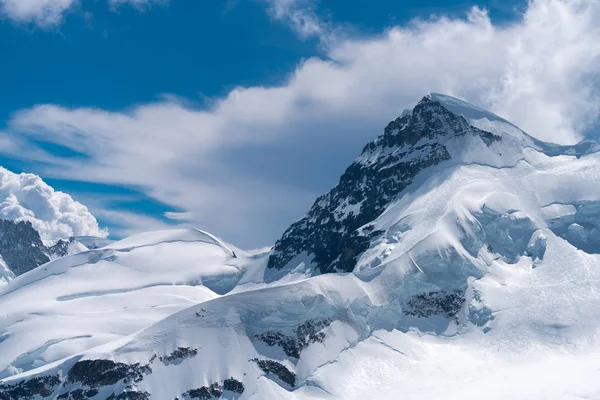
<point>80,301</point>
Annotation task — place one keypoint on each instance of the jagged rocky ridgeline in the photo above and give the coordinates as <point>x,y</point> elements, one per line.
<point>22,248</point>
<point>335,230</point>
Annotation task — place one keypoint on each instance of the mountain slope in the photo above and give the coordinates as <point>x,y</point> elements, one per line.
<point>336,228</point>
<point>465,264</point>
<point>83,300</point>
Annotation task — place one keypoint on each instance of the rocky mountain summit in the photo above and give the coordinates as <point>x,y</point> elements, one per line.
<point>336,229</point>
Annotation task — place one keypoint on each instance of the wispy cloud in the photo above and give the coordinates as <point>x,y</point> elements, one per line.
<point>540,71</point>
<point>45,13</point>
<point>300,14</point>
<point>127,223</point>
<point>51,13</point>
<point>142,4</point>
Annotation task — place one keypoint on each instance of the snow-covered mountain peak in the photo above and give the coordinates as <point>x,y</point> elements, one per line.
<point>484,120</point>
<point>440,132</point>
<point>462,107</point>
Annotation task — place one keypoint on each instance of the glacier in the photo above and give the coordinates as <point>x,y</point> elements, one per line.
<point>457,258</point>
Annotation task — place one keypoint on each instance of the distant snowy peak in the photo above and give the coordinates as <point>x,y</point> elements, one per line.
<point>65,247</point>
<point>22,248</point>
<point>92,242</point>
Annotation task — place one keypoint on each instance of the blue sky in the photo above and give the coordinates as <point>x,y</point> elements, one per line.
<point>213,114</point>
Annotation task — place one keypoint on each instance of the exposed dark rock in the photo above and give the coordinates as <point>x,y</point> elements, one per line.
<point>271,367</point>
<point>200,393</point>
<point>41,386</point>
<point>233,385</point>
<point>130,396</point>
<point>180,353</point>
<point>443,303</point>
<point>60,248</point>
<point>330,233</point>
<point>78,394</point>
<point>21,246</point>
<point>23,250</point>
<point>91,374</point>
<point>206,392</point>
<point>96,373</point>
<point>215,390</point>
<point>309,332</point>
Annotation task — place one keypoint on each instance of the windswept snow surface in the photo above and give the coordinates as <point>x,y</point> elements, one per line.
<point>94,297</point>
<point>483,281</point>
<point>92,242</point>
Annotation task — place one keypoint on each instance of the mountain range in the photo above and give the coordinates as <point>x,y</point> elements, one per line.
<point>456,258</point>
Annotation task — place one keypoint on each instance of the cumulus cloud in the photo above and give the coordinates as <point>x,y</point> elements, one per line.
<point>540,71</point>
<point>53,214</point>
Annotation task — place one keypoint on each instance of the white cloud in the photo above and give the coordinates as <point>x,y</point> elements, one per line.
<point>541,72</point>
<point>50,13</point>
<point>53,214</point>
<point>42,12</point>
<point>137,3</point>
<point>551,83</point>
<point>300,15</point>
<point>129,223</point>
